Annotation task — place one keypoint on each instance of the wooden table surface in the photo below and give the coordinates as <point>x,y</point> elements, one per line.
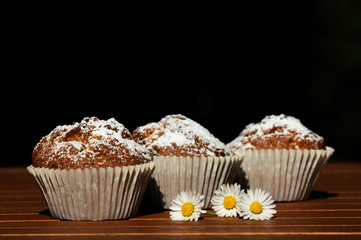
<point>333,211</point>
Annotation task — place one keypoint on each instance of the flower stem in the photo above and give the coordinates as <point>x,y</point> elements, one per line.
<point>211,213</point>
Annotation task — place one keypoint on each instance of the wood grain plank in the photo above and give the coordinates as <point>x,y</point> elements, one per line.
<point>249,236</point>
<point>333,211</point>
<point>160,216</point>
<point>176,237</point>
<point>192,229</point>
<point>219,222</point>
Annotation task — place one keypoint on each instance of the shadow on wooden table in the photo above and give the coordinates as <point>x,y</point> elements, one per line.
<point>145,210</point>
<point>141,212</point>
<point>321,195</point>
<point>46,212</point>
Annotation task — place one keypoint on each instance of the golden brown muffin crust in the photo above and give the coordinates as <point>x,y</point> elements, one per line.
<point>177,135</point>
<point>277,132</point>
<point>90,143</point>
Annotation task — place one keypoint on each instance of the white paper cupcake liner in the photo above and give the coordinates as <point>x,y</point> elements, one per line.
<point>203,175</point>
<point>93,193</point>
<point>288,175</point>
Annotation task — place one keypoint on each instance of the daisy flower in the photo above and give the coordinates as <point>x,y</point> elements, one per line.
<point>187,206</point>
<point>257,205</point>
<point>226,200</point>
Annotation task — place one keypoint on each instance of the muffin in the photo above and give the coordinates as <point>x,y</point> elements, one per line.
<point>92,170</point>
<point>277,132</point>
<point>282,156</point>
<point>187,158</point>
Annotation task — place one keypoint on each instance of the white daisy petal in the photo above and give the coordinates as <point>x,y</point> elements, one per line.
<point>272,211</point>
<point>250,194</point>
<point>184,196</point>
<point>269,201</point>
<point>248,215</point>
<point>259,194</point>
<point>226,201</point>
<point>175,208</point>
<point>246,201</point>
<point>264,197</point>
<point>257,205</point>
<point>186,206</point>
<point>216,200</point>
<point>255,193</point>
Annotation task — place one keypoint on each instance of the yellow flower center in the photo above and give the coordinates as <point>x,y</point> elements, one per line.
<point>229,202</point>
<point>187,209</point>
<point>256,208</point>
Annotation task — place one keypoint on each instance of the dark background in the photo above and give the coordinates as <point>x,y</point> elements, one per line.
<point>221,64</point>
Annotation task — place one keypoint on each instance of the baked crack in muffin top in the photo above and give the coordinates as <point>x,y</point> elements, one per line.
<point>277,132</point>
<point>92,143</point>
<point>177,135</point>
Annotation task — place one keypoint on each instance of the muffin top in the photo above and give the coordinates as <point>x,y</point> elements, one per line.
<point>92,143</point>
<point>177,135</point>
<point>277,132</point>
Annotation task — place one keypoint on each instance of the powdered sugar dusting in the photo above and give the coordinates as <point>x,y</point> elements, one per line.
<point>105,129</point>
<point>282,120</point>
<point>92,140</point>
<point>286,124</point>
<point>183,132</point>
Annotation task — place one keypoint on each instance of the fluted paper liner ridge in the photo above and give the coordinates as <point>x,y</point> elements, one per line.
<point>288,175</point>
<point>93,193</point>
<point>202,175</point>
